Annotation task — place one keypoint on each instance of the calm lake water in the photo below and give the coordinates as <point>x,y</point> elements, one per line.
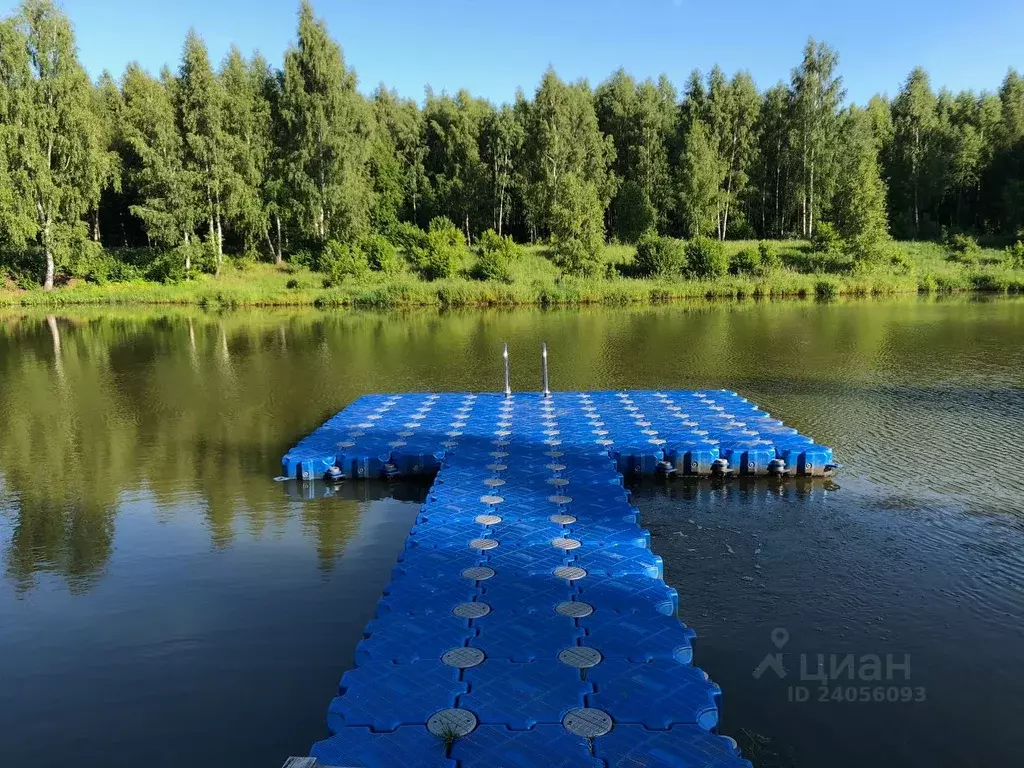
<point>164,602</point>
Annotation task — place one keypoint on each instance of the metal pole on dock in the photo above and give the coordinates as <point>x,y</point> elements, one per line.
<point>544,368</point>
<point>508,383</point>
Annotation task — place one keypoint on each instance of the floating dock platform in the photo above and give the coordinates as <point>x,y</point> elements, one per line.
<point>527,623</point>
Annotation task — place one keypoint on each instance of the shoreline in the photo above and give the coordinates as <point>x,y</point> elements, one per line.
<point>535,281</point>
<point>469,294</point>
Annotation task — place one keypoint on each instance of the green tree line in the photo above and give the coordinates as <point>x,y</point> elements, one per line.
<point>245,159</point>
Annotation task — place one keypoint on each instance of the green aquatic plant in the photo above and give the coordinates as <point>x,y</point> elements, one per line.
<point>448,735</point>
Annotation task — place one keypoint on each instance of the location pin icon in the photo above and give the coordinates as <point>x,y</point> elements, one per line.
<point>779,637</point>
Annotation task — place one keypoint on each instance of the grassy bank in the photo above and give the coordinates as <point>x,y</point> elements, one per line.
<point>536,281</point>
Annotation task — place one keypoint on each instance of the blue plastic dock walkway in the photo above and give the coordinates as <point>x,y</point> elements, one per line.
<point>527,623</point>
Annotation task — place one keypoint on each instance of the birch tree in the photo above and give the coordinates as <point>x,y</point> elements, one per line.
<point>858,206</point>
<point>106,108</point>
<point>914,123</point>
<point>1007,167</point>
<point>385,164</point>
<point>327,126</point>
<point>772,174</point>
<point>48,131</point>
<point>563,137</point>
<point>17,214</point>
<point>200,109</point>
<point>501,138</point>
<point>1011,97</point>
<point>732,109</point>
<point>817,93</point>
<point>247,141</point>
<point>457,174</point>
<point>640,119</point>
<point>274,190</point>
<point>401,123</point>
<point>168,205</point>
<point>701,173</point>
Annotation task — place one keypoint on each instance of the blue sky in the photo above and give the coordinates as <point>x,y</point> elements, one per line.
<point>492,47</point>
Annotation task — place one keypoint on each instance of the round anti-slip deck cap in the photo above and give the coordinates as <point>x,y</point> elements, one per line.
<point>566,544</point>
<point>452,723</point>
<point>478,573</point>
<point>488,519</point>
<point>463,658</point>
<point>475,611</point>
<point>587,722</point>
<point>574,609</point>
<point>570,572</point>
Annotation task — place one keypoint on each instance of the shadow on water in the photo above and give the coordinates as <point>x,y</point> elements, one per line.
<point>158,583</point>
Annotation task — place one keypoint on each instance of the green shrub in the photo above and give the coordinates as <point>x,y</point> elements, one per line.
<point>303,258</point>
<point>407,236</point>
<point>900,262</point>
<point>123,272</point>
<point>826,290</point>
<point>577,226</point>
<point>245,261</point>
<point>634,213</point>
<point>440,259</point>
<point>989,281</point>
<point>497,256</point>
<point>833,263</point>
<point>745,262</point>
<point>382,255</point>
<point>826,239</point>
<point>741,229</point>
<point>444,224</point>
<point>87,260</point>
<point>573,257</point>
<point>962,249</point>
<point>927,283</point>
<point>489,240</point>
<point>1015,255</point>
<point>204,257</point>
<point>169,266</point>
<point>866,251</point>
<point>706,259</point>
<point>658,256</point>
<point>292,284</point>
<point>94,264</point>
<point>770,258</point>
<point>341,262</point>
<point>26,281</point>
<point>23,266</point>
<point>442,254</point>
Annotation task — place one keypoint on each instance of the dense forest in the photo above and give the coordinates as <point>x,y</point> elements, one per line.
<point>162,176</point>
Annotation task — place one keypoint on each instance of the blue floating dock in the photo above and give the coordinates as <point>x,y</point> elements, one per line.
<point>527,622</point>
